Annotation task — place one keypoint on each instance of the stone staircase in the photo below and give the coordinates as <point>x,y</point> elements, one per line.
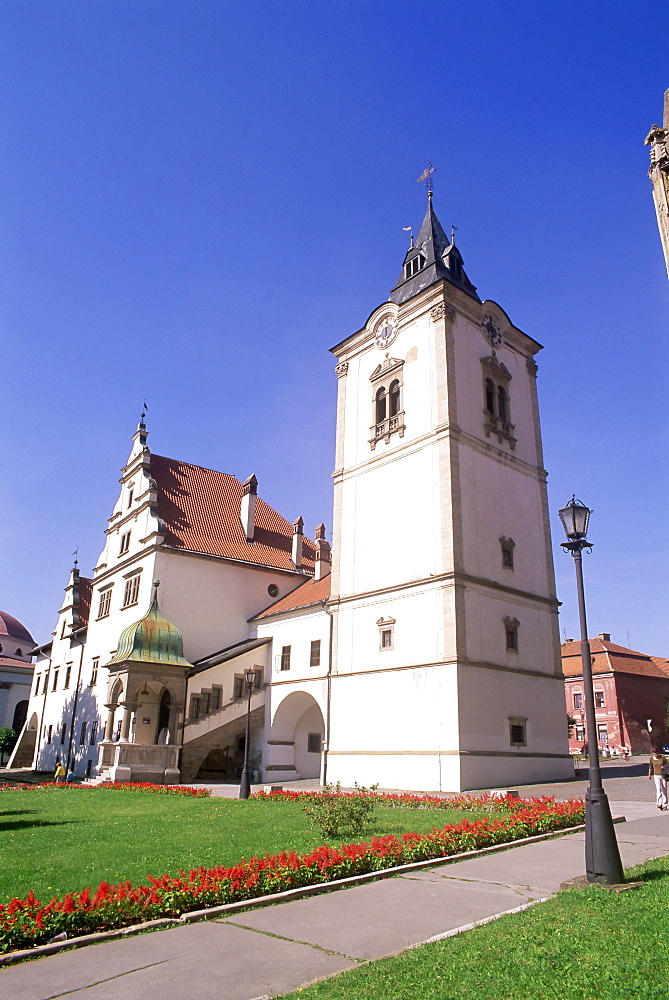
<point>214,730</point>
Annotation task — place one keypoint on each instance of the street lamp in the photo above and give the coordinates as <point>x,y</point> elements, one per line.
<point>602,857</point>
<point>245,784</point>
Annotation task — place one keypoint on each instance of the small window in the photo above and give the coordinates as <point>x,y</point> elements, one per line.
<point>205,703</point>
<point>63,731</point>
<point>94,671</point>
<point>62,631</point>
<point>602,734</point>
<point>215,699</point>
<point>314,742</point>
<point>507,546</point>
<point>578,700</point>
<point>489,396</point>
<point>273,590</point>
<point>125,543</point>
<point>386,638</point>
<point>37,680</point>
<point>285,658</point>
<point>517,733</point>
<point>55,681</point>
<point>195,707</point>
<point>257,680</point>
<point>105,603</point>
<point>511,630</point>
<point>131,592</point>
<point>19,652</point>
<point>238,687</point>
<point>94,733</point>
<point>68,673</point>
<point>599,699</point>
<point>46,681</point>
<point>89,768</point>
<point>502,401</point>
<point>131,493</point>
<point>82,734</point>
<point>580,734</point>
<point>315,655</point>
<point>394,396</point>
<point>49,733</point>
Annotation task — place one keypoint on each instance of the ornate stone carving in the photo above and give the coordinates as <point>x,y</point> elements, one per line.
<point>532,366</point>
<point>341,369</point>
<point>442,311</point>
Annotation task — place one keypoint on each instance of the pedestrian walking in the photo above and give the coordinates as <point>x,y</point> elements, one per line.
<point>60,773</point>
<point>658,769</point>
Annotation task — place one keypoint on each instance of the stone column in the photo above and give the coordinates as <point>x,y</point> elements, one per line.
<point>109,725</point>
<point>125,724</point>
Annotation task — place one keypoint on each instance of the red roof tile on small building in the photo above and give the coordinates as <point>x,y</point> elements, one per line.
<point>305,596</point>
<point>200,508</point>
<point>609,658</point>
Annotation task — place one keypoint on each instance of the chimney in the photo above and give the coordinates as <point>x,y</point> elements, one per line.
<point>298,538</point>
<point>604,636</point>
<point>322,567</point>
<point>247,513</point>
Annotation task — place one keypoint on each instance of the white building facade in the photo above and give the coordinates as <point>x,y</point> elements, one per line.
<point>427,659</point>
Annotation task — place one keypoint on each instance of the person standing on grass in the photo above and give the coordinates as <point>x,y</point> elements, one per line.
<point>60,773</point>
<point>656,770</point>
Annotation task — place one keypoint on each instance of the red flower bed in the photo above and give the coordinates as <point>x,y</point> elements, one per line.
<point>140,786</point>
<point>25,923</point>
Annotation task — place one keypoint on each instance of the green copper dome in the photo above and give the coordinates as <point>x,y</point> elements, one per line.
<point>151,640</point>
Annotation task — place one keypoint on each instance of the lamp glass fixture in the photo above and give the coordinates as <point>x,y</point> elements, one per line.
<point>575,517</point>
<point>250,676</point>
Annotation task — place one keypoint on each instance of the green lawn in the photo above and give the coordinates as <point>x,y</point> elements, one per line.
<point>586,944</point>
<point>55,840</point>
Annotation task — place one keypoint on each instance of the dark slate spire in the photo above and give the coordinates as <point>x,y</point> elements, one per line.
<point>430,258</point>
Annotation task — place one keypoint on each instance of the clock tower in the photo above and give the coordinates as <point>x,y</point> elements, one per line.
<point>446,660</point>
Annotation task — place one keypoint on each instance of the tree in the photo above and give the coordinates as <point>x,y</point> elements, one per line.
<point>8,738</point>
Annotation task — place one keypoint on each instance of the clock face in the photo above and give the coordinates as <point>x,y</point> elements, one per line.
<point>491,331</point>
<point>386,332</point>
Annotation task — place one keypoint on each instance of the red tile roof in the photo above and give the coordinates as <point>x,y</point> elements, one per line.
<point>306,595</point>
<point>610,658</point>
<point>85,591</point>
<point>201,509</point>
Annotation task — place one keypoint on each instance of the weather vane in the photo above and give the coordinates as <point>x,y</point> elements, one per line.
<point>144,410</point>
<point>427,177</point>
<point>409,230</point>
<point>76,556</point>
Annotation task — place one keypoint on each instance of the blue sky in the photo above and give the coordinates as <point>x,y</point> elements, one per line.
<point>202,197</point>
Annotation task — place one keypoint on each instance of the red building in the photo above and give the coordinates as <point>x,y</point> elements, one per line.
<point>630,688</point>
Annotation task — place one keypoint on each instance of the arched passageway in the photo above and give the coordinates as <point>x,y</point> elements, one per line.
<point>297,734</point>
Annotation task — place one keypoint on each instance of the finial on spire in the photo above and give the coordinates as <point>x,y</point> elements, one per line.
<point>454,230</point>
<point>427,177</point>
<point>144,411</point>
<point>76,557</point>
<point>409,230</point>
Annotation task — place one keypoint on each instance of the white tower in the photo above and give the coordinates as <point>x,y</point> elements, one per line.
<point>445,641</point>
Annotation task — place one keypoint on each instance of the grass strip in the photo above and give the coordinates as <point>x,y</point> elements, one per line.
<point>585,944</point>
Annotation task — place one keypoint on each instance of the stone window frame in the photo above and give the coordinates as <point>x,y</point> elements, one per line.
<point>578,695</point>
<point>82,734</point>
<point>284,658</point>
<point>314,742</point>
<point>518,730</point>
<point>511,626</point>
<point>602,733</point>
<point>387,388</point>
<point>194,712</point>
<point>507,546</point>
<point>68,675</point>
<point>93,738</point>
<point>104,606</point>
<point>55,679</point>
<point>386,628</point>
<point>414,265</point>
<point>124,544</point>
<point>95,666</point>
<point>497,400</point>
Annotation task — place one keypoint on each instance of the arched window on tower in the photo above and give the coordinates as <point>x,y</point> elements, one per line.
<point>380,405</point>
<point>489,396</point>
<point>496,406</point>
<point>394,398</point>
<point>502,408</point>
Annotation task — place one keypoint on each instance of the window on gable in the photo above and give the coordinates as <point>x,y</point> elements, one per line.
<point>68,672</point>
<point>94,733</point>
<point>380,405</point>
<point>394,396</point>
<point>82,734</point>
<point>55,680</point>
<point>37,679</point>
<point>315,653</point>
<point>125,543</point>
<point>496,402</point>
<point>131,591</point>
<point>105,602</point>
<point>285,658</point>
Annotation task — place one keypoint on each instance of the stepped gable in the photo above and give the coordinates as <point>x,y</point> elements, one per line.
<point>201,507</point>
<point>610,658</point>
<point>309,593</point>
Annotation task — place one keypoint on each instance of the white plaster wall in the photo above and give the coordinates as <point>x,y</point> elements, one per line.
<point>297,630</point>
<point>485,611</point>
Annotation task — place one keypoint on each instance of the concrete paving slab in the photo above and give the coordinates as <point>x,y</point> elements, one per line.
<point>383,917</point>
<point>206,961</point>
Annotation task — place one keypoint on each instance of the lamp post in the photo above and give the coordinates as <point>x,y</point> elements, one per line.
<point>245,784</point>
<point>602,857</point>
